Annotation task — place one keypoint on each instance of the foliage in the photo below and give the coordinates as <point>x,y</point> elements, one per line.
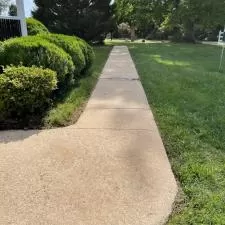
<point>187,93</point>
<point>70,45</point>
<point>182,19</point>
<point>36,51</point>
<point>126,11</point>
<point>35,27</point>
<point>88,53</point>
<point>25,91</point>
<point>12,10</point>
<point>152,11</point>
<point>190,14</point>
<point>90,20</point>
<point>142,14</point>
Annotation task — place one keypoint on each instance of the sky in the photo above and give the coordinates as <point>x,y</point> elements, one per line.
<point>28,4</point>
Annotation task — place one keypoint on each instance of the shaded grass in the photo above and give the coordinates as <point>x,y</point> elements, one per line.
<point>70,105</point>
<point>187,95</point>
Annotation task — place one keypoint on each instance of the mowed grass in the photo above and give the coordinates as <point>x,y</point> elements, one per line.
<point>187,95</point>
<point>68,108</point>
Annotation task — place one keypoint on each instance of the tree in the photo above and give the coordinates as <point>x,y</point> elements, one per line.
<point>141,14</point>
<point>3,5</point>
<point>12,10</point>
<point>150,15</point>
<point>126,13</point>
<point>188,14</point>
<point>87,19</point>
<point>178,17</point>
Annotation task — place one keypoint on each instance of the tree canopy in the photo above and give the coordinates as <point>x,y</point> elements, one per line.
<point>87,19</point>
<point>93,19</point>
<point>187,17</point>
<point>192,15</point>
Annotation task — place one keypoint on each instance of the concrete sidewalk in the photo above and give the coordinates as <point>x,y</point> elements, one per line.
<point>110,168</point>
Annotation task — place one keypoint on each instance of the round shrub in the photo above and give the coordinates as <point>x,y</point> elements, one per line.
<point>1,48</point>
<point>35,27</point>
<point>36,51</point>
<point>71,46</point>
<point>25,91</point>
<point>87,51</point>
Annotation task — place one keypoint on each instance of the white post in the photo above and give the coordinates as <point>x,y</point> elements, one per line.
<point>21,15</point>
<point>221,58</point>
<point>222,42</point>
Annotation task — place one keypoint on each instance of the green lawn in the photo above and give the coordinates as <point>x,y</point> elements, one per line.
<point>70,105</point>
<point>187,95</point>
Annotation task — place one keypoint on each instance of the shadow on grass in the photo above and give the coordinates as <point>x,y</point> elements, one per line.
<point>186,92</point>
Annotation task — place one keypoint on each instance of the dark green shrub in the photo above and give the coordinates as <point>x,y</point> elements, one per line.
<point>25,91</point>
<point>35,27</point>
<point>36,51</point>
<point>71,46</point>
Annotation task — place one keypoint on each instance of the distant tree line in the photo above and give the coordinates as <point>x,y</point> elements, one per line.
<point>180,20</point>
<point>92,20</point>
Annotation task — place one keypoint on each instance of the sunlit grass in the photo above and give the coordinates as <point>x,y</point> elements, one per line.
<point>187,95</point>
<point>161,60</point>
<point>128,41</point>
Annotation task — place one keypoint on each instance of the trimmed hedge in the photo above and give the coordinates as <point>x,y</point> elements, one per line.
<point>25,91</point>
<point>33,50</point>
<point>87,51</point>
<point>71,46</point>
<point>35,27</point>
<point>1,47</point>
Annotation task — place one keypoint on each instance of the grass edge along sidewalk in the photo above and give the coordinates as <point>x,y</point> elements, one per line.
<point>186,93</point>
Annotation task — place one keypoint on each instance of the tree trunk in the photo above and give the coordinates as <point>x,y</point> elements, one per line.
<point>132,36</point>
<point>189,35</point>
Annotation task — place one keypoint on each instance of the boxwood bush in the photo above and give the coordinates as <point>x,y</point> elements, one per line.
<point>1,47</point>
<point>87,51</point>
<point>71,46</point>
<point>33,50</point>
<point>35,27</point>
<point>25,91</point>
